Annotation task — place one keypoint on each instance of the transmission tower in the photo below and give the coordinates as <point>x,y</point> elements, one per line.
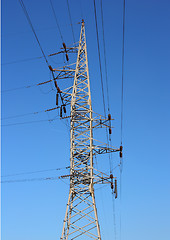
<point>81,219</point>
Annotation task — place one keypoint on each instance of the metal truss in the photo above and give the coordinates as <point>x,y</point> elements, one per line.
<point>81,219</point>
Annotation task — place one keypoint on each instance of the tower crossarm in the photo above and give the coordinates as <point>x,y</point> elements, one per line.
<point>81,177</point>
<point>64,73</point>
<point>99,123</point>
<point>65,50</point>
<point>97,149</point>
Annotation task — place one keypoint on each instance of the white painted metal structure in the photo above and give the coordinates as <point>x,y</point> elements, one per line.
<point>81,220</point>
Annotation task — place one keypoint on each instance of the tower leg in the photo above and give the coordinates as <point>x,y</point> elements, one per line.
<point>64,236</point>
<point>95,212</point>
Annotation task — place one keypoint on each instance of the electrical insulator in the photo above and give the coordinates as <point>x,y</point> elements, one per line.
<point>109,116</point>
<point>55,82</point>
<point>111,176</point>
<point>64,45</point>
<point>115,191</point>
<point>64,108</point>
<point>121,148</point>
<point>61,112</point>
<point>51,69</point>
<point>111,185</point>
<point>120,154</point>
<point>110,131</point>
<point>57,99</point>
<point>58,90</point>
<point>67,58</point>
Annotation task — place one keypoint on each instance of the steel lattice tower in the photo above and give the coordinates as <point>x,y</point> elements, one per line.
<point>81,220</point>
<point>81,213</point>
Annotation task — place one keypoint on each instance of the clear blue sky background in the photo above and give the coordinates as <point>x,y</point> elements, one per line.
<point>35,210</point>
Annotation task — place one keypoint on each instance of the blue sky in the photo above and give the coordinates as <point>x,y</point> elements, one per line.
<point>35,210</point>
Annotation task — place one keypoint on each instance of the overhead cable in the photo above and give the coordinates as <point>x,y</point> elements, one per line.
<point>29,86</point>
<point>70,20</point>
<point>114,217</point>
<point>101,77</point>
<point>123,47</point>
<point>23,123</point>
<point>30,23</point>
<point>30,180</point>
<point>122,109</point>
<point>32,113</point>
<point>39,171</point>
<point>28,59</point>
<point>29,20</point>
<point>56,20</point>
<point>105,56</point>
<point>106,74</point>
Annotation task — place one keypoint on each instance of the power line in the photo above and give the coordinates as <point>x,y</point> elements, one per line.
<point>30,23</point>
<point>114,217</point>
<point>27,60</point>
<point>21,115</point>
<point>101,77</point>
<point>29,20</point>
<point>23,123</point>
<point>70,20</point>
<point>19,88</point>
<point>106,73</point>
<point>30,180</point>
<point>40,171</point>
<point>26,114</point>
<point>56,20</point>
<point>123,47</point>
<point>105,57</point>
<point>29,86</point>
<point>122,108</point>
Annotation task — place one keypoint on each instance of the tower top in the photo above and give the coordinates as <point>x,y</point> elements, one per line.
<point>82,22</point>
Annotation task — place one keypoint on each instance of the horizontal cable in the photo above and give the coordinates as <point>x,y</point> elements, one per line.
<point>30,180</point>
<point>39,171</point>
<point>29,86</point>
<point>22,123</point>
<point>30,59</point>
<point>33,113</point>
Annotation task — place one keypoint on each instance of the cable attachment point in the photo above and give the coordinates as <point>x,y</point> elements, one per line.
<point>65,48</point>
<point>64,108</point>
<point>51,69</point>
<point>111,176</point>
<point>121,148</point>
<point>57,99</point>
<point>61,112</point>
<point>55,82</point>
<point>57,87</point>
<point>115,190</point>
<point>67,58</point>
